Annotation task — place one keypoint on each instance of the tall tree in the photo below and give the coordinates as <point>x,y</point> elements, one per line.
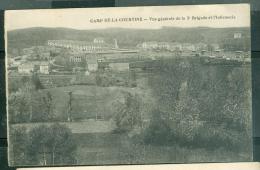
<point>17,149</point>
<point>128,113</point>
<point>51,145</point>
<point>36,81</point>
<point>18,107</point>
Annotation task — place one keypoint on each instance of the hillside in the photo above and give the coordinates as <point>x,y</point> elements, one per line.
<point>126,37</point>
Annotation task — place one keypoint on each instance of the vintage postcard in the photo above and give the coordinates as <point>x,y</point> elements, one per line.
<point>131,85</point>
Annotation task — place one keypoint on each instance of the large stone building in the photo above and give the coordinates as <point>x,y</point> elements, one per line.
<point>188,47</point>
<point>41,67</point>
<point>119,66</point>
<point>26,68</point>
<point>201,46</point>
<point>92,64</point>
<point>237,35</point>
<point>99,40</point>
<point>175,46</point>
<point>98,44</point>
<point>76,58</point>
<point>155,45</point>
<point>172,46</point>
<point>44,68</point>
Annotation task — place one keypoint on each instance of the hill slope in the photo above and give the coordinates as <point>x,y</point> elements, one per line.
<point>126,37</point>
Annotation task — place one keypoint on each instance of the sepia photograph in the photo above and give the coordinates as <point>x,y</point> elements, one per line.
<point>129,85</point>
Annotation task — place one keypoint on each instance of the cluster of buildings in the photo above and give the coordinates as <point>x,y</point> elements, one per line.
<point>93,63</point>
<point>173,46</point>
<point>97,45</point>
<point>97,54</point>
<point>78,53</point>
<point>25,67</point>
<point>237,35</point>
<point>33,59</point>
<point>40,67</point>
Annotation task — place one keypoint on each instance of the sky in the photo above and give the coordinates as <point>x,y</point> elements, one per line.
<point>80,18</point>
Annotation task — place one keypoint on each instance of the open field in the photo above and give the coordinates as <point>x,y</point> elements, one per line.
<point>87,126</point>
<point>87,101</point>
<point>119,149</point>
<point>101,146</point>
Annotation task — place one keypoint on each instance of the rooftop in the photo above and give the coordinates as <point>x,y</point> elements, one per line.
<point>80,43</point>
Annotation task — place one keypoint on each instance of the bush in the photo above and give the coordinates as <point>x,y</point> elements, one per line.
<point>204,106</point>
<point>51,145</point>
<point>158,132</point>
<point>194,134</point>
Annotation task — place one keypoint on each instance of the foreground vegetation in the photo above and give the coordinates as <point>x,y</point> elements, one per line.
<point>185,111</point>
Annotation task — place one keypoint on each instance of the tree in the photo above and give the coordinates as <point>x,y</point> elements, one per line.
<point>36,81</point>
<point>51,145</point>
<point>53,54</point>
<point>41,106</point>
<point>48,104</point>
<point>128,113</point>
<point>63,59</point>
<point>62,144</point>
<point>22,83</point>
<point>158,132</point>
<point>202,104</point>
<point>18,107</point>
<point>210,48</point>
<point>17,149</point>
<point>104,79</point>
<point>30,106</point>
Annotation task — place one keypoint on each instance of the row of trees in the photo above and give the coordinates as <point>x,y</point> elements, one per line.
<point>30,107</point>
<point>25,83</point>
<point>42,145</point>
<point>201,106</point>
<point>27,102</point>
<point>109,78</point>
<point>197,106</point>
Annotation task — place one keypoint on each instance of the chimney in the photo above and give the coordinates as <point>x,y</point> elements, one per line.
<point>116,46</point>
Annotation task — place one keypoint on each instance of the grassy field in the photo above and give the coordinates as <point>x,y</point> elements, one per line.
<point>91,101</point>
<point>98,144</point>
<point>86,126</point>
<point>118,149</point>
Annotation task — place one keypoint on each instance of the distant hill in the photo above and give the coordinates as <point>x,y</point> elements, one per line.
<point>126,37</point>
